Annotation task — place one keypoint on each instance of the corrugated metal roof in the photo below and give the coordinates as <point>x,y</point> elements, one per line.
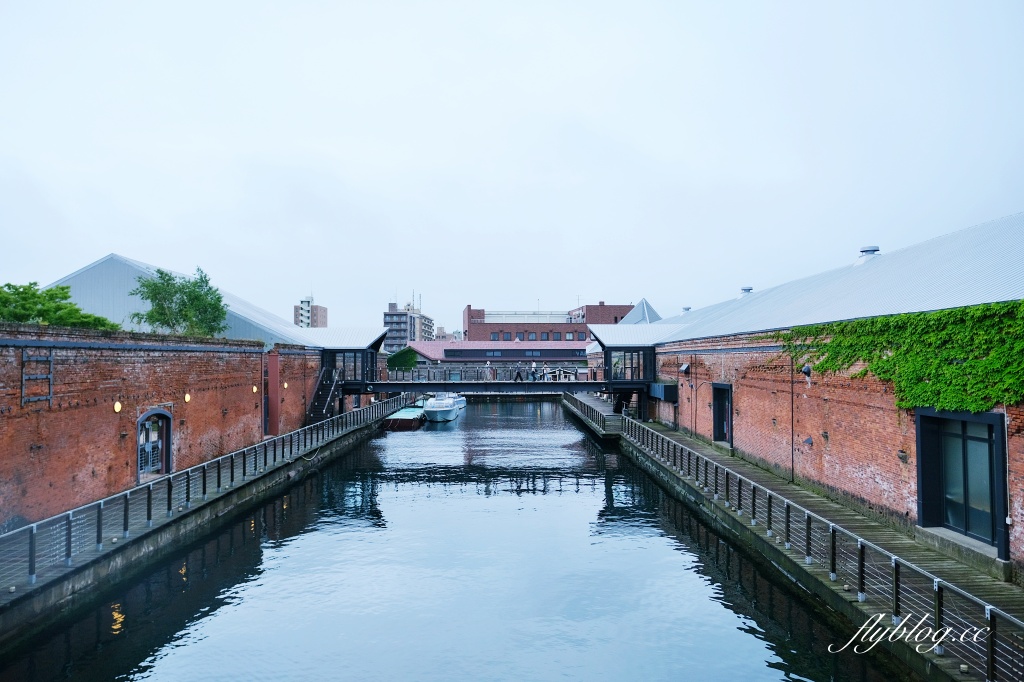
<point>619,335</point>
<point>980,264</point>
<point>342,337</point>
<point>101,288</point>
<point>642,313</point>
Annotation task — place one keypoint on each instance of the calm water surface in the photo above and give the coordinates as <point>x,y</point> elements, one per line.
<point>503,546</point>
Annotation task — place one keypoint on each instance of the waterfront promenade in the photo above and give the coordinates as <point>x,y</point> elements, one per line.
<point>53,563</point>
<point>857,565</point>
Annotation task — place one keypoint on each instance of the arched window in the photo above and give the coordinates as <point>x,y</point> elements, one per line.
<point>154,440</point>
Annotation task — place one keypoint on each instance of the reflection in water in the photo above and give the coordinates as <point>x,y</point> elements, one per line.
<point>507,546</point>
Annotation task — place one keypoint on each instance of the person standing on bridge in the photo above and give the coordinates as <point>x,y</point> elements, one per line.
<point>519,372</point>
<point>544,371</point>
<point>533,371</point>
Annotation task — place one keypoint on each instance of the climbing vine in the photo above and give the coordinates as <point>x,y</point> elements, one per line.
<point>962,360</point>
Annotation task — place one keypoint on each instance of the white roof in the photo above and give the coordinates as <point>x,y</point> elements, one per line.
<point>101,288</point>
<point>980,264</point>
<point>344,337</point>
<point>642,313</point>
<point>619,335</point>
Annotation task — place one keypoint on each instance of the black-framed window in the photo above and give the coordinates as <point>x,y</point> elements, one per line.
<point>543,336</point>
<point>494,353</point>
<point>961,463</point>
<point>556,336</point>
<point>569,336</point>
<point>494,336</point>
<point>506,336</point>
<point>532,336</point>
<point>520,336</point>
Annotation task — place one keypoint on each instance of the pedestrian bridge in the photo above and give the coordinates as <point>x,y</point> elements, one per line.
<point>469,387</point>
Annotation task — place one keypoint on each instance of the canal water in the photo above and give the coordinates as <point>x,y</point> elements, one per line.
<point>506,545</point>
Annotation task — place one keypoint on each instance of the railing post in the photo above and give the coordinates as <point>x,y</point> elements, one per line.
<point>231,476</point>
<point>716,481</point>
<point>99,526</point>
<point>127,517</point>
<point>832,552</point>
<point>32,554</point>
<point>204,481</point>
<point>219,467</point>
<point>739,496</point>
<point>170,496</point>
<point>753,504</point>
<point>990,644</point>
<point>808,558</point>
<point>862,594</point>
<point>727,500</point>
<point>188,489</point>
<point>768,518</point>
<point>275,449</point>
<point>939,649</point>
<point>788,537</point>
<point>264,456</point>
<point>67,539</point>
<point>896,616</point>
<point>243,465</point>
<point>149,505</point>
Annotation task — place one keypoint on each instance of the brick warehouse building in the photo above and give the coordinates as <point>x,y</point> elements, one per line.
<point>87,414</point>
<point>952,479</point>
<point>480,325</point>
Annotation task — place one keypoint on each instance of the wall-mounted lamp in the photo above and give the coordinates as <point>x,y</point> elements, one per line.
<point>808,441</point>
<point>806,371</point>
<point>684,368</point>
<point>117,406</point>
<point>286,384</point>
<point>254,389</point>
<point>224,412</point>
<point>903,456</point>
<point>187,397</point>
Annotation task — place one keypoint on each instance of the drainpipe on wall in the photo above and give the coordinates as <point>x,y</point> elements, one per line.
<point>792,423</point>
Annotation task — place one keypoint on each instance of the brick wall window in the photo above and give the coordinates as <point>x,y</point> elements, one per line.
<point>543,336</point>
<point>520,336</point>
<point>532,336</point>
<point>506,336</point>
<point>557,336</point>
<point>494,336</point>
<point>569,336</point>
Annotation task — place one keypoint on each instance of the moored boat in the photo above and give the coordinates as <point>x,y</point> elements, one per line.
<point>443,407</point>
<point>406,419</point>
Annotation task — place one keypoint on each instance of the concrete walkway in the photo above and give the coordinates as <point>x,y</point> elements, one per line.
<point>1006,597</point>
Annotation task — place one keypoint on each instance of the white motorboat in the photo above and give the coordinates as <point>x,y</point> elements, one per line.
<point>460,399</point>
<point>443,407</point>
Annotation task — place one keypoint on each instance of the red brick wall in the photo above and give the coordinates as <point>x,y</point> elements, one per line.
<point>859,460</point>
<point>300,369</point>
<point>73,452</point>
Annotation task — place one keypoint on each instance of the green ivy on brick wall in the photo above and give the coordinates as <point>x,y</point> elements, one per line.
<point>962,360</point>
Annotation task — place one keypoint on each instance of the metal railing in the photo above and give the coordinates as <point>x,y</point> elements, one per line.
<point>595,416</point>
<point>876,574</point>
<point>494,373</point>
<point>44,550</point>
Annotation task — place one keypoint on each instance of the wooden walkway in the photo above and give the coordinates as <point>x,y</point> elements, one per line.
<point>1005,596</point>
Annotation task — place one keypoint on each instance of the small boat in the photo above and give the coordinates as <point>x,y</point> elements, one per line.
<point>460,399</point>
<point>406,419</point>
<point>443,407</point>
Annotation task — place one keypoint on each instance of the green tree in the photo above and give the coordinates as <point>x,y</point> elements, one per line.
<point>27,304</point>
<point>181,305</point>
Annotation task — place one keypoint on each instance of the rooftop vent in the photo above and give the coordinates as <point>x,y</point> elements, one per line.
<point>746,290</point>
<point>866,254</point>
<point>686,308</point>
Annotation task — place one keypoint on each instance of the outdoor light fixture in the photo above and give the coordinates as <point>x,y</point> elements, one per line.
<point>684,368</point>
<point>117,406</point>
<point>808,441</point>
<point>806,370</point>
<point>903,457</point>
<point>187,397</point>
<point>286,384</point>
<point>254,389</point>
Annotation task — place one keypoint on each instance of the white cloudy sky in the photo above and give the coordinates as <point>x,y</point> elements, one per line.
<point>502,154</point>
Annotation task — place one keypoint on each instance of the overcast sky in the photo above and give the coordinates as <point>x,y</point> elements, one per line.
<point>500,154</point>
